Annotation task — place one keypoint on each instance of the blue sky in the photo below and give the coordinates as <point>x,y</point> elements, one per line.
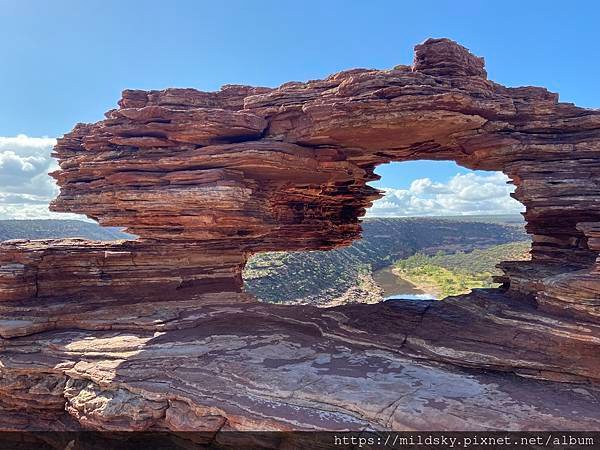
<point>66,61</point>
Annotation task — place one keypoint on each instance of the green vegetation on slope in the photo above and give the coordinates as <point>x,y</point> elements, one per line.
<point>458,273</point>
<point>281,276</point>
<point>321,276</point>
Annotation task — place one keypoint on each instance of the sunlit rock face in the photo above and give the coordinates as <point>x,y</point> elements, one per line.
<point>206,179</point>
<point>251,169</point>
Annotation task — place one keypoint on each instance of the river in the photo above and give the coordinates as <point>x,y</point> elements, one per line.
<point>395,287</point>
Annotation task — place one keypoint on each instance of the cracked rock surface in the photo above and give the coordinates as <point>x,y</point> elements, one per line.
<point>279,368</point>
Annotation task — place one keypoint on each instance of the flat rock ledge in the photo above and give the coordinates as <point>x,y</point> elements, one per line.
<point>265,367</point>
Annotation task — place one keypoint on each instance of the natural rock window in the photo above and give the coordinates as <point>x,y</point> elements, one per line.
<point>424,239</point>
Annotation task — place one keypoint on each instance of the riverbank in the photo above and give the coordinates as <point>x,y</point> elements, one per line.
<point>366,290</point>
<point>459,273</point>
<point>320,277</point>
<point>396,286</point>
<point>435,284</point>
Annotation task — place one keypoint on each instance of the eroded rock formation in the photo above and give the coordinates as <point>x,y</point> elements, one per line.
<point>156,333</point>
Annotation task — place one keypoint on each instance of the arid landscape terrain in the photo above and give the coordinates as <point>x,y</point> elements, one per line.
<point>346,275</point>
<point>358,273</point>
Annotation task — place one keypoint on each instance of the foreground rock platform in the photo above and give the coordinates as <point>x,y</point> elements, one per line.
<point>157,333</point>
<point>267,367</point>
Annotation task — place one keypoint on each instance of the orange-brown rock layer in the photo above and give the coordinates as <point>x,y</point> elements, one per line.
<point>66,268</point>
<point>259,169</point>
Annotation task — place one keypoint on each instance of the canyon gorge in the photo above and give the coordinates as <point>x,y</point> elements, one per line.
<point>157,332</point>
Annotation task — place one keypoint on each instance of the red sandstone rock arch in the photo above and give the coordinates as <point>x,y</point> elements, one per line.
<point>205,179</point>
<point>252,169</point>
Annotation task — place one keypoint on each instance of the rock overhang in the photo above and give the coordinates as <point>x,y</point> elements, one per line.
<point>249,169</point>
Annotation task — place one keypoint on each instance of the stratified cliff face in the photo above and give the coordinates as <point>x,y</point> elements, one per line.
<point>155,334</point>
<point>254,169</point>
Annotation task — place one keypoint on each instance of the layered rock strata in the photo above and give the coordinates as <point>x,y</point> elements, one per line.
<point>255,169</point>
<point>151,366</point>
<point>66,268</point>
<point>156,333</point>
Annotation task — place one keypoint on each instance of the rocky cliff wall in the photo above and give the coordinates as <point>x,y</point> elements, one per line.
<point>254,169</point>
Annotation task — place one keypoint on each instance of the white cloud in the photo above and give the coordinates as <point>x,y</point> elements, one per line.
<point>25,186</point>
<point>463,194</point>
